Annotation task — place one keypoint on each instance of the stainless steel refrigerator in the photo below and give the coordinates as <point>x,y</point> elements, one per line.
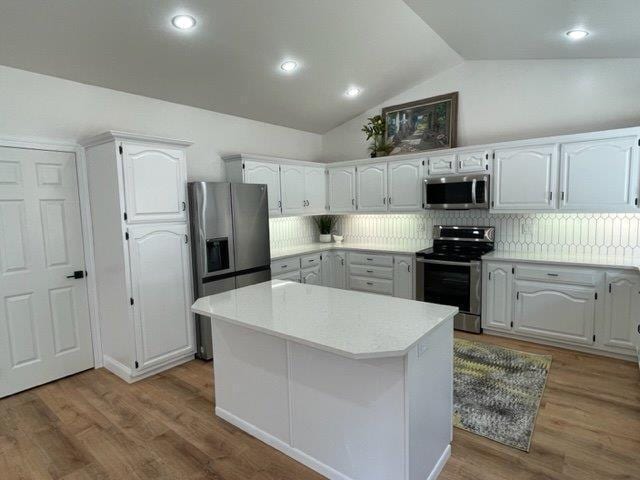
<point>230,249</point>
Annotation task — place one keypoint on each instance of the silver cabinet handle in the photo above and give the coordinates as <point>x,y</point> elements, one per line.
<point>552,274</point>
<point>450,165</point>
<point>370,283</point>
<point>184,206</point>
<point>284,266</point>
<point>389,200</point>
<point>384,200</point>
<point>369,271</point>
<point>369,259</point>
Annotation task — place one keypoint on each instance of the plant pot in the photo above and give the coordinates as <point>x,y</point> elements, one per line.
<point>325,237</point>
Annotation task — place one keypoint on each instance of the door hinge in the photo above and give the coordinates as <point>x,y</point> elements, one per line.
<point>423,163</point>
<point>489,275</point>
<point>513,270</point>
<point>120,149</point>
<point>423,205</point>
<point>493,155</point>
<point>243,165</point>
<point>550,196</point>
<point>126,235</point>
<point>636,201</point>
<point>639,142</point>
<point>131,300</point>
<point>125,216</point>
<point>594,338</point>
<point>562,196</point>
<point>486,156</point>
<point>486,167</point>
<point>136,364</point>
<point>511,324</point>
<point>517,295</point>
<point>356,169</point>
<point>492,204</point>
<point>595,295</point>
<point>609,288</point>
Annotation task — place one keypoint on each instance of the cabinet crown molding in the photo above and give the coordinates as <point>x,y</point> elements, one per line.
<point>116,135</point>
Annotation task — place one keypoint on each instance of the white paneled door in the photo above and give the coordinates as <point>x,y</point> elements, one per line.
<point>44,316</point>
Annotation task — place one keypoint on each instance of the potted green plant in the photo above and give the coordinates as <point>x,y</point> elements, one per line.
<point>375,129</point>
<point>325,225</point>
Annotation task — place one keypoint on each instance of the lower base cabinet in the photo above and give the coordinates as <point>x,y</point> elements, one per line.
<point>334,269</point>
<point>311,275</point>
<point>587,307</point>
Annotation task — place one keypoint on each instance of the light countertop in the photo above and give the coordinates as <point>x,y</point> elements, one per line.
<point>352,324</point>
<point>400,248</point>
<point>606,261</point>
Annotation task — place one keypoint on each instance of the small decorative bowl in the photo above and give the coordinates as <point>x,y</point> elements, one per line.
<point>338,238</point>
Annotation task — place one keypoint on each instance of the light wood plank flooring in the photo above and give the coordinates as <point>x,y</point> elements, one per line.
<point>94,426</point>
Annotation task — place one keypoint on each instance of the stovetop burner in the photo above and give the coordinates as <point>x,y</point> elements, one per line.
<point>459,243</point>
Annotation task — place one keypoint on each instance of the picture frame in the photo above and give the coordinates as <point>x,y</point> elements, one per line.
<point>427,124</point>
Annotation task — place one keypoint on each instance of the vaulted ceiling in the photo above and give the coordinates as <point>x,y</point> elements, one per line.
<point>230,62</point>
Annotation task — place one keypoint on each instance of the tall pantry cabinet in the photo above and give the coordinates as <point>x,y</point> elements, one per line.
<point>137,188</point>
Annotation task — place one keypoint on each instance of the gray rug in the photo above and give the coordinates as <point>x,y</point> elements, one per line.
<point>497,391</point>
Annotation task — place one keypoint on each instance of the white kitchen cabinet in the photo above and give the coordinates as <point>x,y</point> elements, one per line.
<point>559,312</point>
<point>442,164</point>
<point>403,277</point>
<point>405,185</point>
<point>268,174</point>
<point>162,293</point>
<point>472,161</point>
<point>292,187</point>
<point>342,189</point>
<point>334,269</point>
<point>154,182</point>
<point>599,175</point>
<point>290,276</point>
<point>497,306</point>
<point>525,178</point>
<point>315,189</point>
<point>621,309</point>
<point>371,187</point>
<point>311,275</point>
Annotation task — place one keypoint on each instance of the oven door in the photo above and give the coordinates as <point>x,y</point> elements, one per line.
<point>450,283</point>
<point>457,193</point>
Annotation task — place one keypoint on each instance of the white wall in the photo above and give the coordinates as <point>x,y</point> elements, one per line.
<point>33,105</point>
<point>511,100</point>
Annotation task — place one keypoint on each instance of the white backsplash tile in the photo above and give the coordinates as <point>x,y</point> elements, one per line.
<point>598,234</point>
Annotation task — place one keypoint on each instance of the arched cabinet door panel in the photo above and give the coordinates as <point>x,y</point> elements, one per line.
<point>269,175</point>
<point>154,183</point>
<point>497,300</point>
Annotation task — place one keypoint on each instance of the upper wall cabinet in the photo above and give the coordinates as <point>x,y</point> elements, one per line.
<point>315,189</point>
<point>292,181</point>
<point>442,164</point>
<point>525,178</point>
<point>154,183</point>
<point>372,187</point>
<point>342,189</point>
<point>599,175</point>
<point>472,161</point>
<point>268,174</point>
<point>405,185</point>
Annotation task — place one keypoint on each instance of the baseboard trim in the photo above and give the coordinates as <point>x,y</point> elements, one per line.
<point>442,461</point>
<point>126,374</point>
<point>117,368</point>
<point>284,447</point>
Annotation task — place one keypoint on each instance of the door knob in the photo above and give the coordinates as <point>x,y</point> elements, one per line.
<point>77,274</point>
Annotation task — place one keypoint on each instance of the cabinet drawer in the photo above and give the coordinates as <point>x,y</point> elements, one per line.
<point>291,276</point>
<point>285,265</point>
<point>370,259</point>
<point>371,271</point>
<point>558,275</point>
<point>373,285</point>
<point>310,260</point>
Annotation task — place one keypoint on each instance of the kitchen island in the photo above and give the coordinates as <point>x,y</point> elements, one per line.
<point>354,385</point>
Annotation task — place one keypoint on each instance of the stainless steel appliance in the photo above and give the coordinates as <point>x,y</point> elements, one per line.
<point>450,272</point>
<point>458,192</point>
<point>230,249</point>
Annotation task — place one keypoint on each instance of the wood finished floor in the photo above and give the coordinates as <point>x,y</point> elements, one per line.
<point>94,426</point>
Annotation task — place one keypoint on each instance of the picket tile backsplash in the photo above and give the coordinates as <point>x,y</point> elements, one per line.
<point>585,234</point>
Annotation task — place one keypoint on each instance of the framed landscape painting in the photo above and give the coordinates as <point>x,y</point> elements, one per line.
<point>427,124</point>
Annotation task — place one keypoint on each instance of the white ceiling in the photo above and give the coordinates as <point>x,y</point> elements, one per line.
<point>230,62</point>
<point>534,29</point>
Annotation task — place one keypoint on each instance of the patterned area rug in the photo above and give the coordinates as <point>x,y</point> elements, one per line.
<point>497,391</point>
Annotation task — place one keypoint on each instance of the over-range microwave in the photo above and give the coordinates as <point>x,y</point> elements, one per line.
<point>457,192</point>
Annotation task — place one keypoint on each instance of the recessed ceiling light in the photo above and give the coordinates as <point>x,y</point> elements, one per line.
<point>289,66</point>
<point>577,34</point>
<point>352,92</point>
<point>183,22</point>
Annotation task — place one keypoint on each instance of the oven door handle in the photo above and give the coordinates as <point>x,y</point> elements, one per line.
<point>446,262</point>
<point>474,182</point>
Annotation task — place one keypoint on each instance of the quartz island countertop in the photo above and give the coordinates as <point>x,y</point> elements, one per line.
<point>576,260</point>
<point>348,323</point>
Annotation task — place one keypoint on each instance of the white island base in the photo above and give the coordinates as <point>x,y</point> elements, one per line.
<point>383,418</point>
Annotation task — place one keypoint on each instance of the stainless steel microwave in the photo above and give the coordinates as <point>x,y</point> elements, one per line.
<point>457,192</point>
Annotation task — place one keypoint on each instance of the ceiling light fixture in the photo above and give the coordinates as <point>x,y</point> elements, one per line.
<point>577,34</point>
<point>352,92</point>
<point>183,22</point>
<point>289,66</point>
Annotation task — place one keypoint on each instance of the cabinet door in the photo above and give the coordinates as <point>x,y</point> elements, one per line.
<point>291,276</point>
<point>372,188</point>
<point>268,174</point>
<point>311,275</point>
<point>339,267</point>
<point>155,182</point>
<point>621,317</point>
<point>162,294</point>
<point>599,175</point>
<point>405,185</point>
<point>525,178</point>
<point>497,311</point>
<point>472,161</point>
<point>326,268</point>
<point>559,312</point>
<point>292,180</point>
<point>442,164</point>
<point>403,277</point>
<point>315,187</point>
<point>342,189</point>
